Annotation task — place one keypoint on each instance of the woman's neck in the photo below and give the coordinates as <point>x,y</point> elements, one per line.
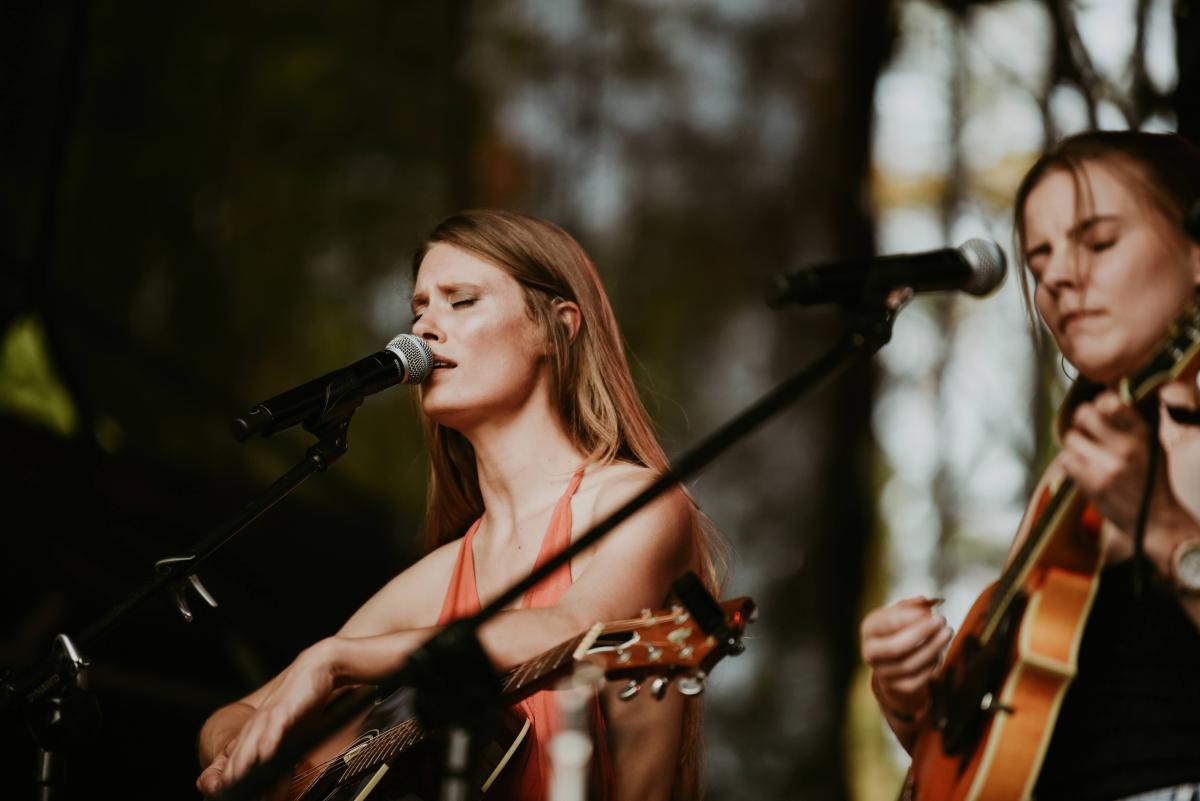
<point>522,463</point>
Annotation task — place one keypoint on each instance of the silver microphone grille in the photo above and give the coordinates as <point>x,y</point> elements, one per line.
<point>415,357</point>
<point>987,265</point>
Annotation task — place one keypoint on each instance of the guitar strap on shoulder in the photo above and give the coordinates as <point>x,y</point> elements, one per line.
<point>1149,411</point>
<point>1187,417</point>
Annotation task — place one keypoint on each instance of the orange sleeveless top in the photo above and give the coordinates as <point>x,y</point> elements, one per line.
<point>527,778</point>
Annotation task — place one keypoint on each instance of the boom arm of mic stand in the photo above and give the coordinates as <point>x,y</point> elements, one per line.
<point>29,685</point>
<point>869,329</point>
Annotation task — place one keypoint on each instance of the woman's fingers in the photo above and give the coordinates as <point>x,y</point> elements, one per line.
<point>904,642</point>
<point>897,616</point>
<point>210,781</point>
<point>923,660</point>
<point>1108,416</point>
<point>258,741</point>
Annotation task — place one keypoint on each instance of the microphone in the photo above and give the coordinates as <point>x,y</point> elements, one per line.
<point>405,360</point>
<point>977,267</point>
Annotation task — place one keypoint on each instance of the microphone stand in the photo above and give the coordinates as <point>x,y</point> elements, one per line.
<point>60,713</point>
<point>452,666</point>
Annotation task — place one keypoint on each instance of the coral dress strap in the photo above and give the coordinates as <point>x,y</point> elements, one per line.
<point>462,596</point>
<point>558,536</point>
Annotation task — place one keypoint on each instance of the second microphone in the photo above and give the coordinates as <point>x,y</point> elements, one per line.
<point>977,267</point>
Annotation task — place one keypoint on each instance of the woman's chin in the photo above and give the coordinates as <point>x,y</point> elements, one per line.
<point>447,415</point>
<point>1104,368</point>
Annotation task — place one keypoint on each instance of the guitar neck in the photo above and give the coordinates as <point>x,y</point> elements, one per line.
<point>528,676</point>
<point>1008,586</point>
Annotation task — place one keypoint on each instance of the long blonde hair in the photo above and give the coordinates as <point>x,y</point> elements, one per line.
<point>592,387</point>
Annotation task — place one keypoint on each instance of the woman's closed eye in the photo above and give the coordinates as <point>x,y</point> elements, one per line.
<point>463,302</point>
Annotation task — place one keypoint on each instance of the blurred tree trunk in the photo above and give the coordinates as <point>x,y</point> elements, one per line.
<point>1186,99</point>
<point>831,194</point>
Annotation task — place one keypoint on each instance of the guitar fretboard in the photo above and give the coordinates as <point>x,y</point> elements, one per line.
<point>540,667</point>
<point>1009,585</point>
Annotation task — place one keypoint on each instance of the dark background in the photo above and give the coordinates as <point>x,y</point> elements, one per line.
<point>206,204</point>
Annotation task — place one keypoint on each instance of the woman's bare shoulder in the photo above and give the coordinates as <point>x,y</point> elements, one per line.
<point>616,482</point>
<point>634,566</point>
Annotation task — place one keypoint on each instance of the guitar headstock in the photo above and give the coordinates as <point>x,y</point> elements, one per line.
<point>668,645</point>
<point>1178,351</point>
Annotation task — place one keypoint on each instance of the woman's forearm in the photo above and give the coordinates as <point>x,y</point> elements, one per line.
<point>508,639</point>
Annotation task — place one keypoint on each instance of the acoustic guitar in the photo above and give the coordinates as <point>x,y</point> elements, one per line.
<point>394,758</point>
<point>998,692</point>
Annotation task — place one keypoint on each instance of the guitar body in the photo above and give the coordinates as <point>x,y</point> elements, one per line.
<point>369,769</point>
<point>966,752</point>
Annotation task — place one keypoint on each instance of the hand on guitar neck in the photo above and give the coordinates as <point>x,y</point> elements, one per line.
<point>1106,453</point>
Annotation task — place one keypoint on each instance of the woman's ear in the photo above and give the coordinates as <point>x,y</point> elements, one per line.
<point>567,314</point>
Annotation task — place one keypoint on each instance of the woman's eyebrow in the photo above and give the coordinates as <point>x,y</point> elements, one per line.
<point>1039,249</point>
<point>458,286</point>
<point>1083,226</point>
<point>422,299</point>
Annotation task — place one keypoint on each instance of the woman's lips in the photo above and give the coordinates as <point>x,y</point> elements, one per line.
<point>1070,318</point>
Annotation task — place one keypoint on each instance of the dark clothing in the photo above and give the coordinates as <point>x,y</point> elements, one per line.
<point>1130,721</point>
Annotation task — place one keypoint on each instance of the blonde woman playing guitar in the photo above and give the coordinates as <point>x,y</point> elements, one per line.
<point>1077,676</point>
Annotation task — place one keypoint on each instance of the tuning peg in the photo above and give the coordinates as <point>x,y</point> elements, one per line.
<point>691,684</point>
<point>658,687</point>
<point>630,689</point>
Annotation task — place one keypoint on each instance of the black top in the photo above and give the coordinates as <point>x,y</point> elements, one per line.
<point>1130,721</point>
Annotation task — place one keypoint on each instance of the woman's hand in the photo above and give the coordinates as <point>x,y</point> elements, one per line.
<point>212,778</point>
<point>1106,452</point>
<point>300,690</point>
<point>903,645</point>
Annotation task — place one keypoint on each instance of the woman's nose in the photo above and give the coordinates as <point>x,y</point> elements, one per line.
<point>427,328</point>
<point>1061,270</point>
